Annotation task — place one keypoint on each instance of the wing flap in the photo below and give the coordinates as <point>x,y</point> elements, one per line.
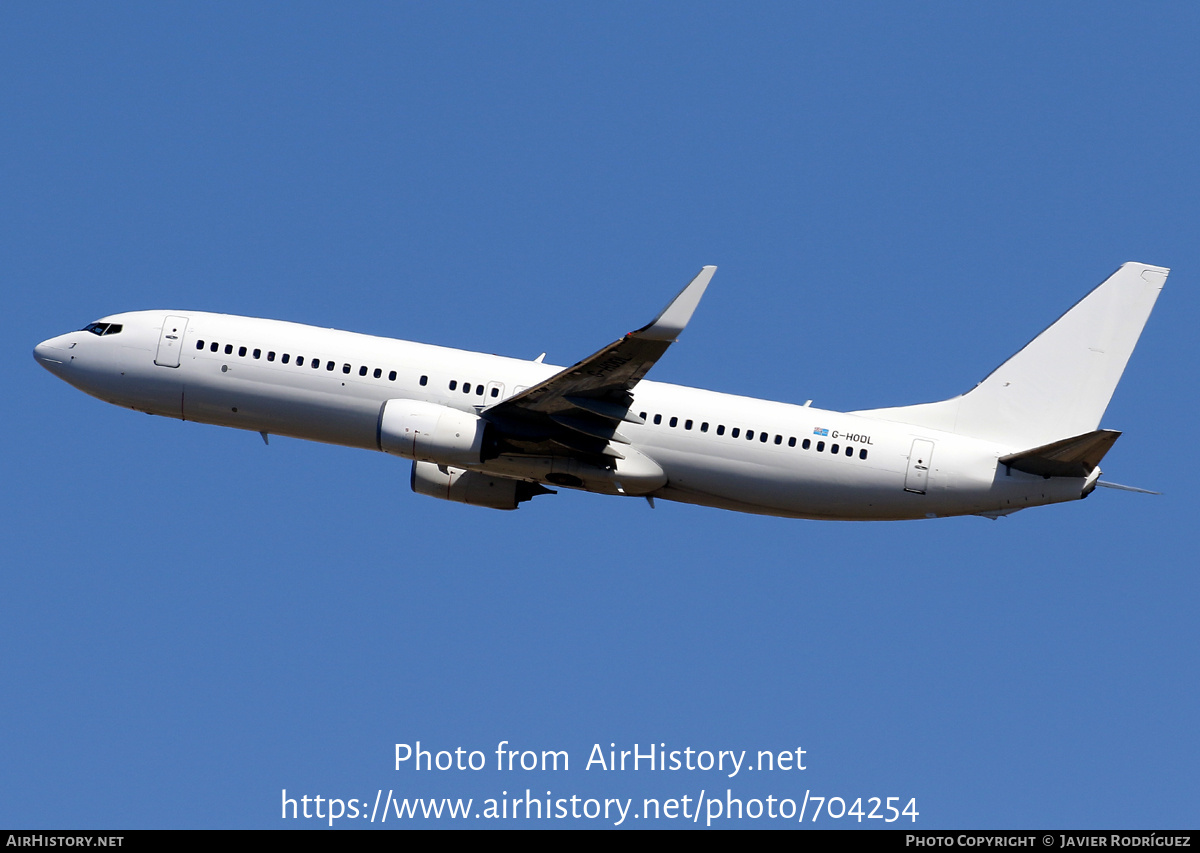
<point>608,411</point>
<point>589,427</point>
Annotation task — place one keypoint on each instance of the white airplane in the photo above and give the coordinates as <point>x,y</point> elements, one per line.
<point>494,431</point>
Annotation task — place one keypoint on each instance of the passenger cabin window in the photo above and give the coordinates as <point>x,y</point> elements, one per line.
<point>362,371</point>
<point>214,346</point>
<point>862,454</point>
<point>228,349</point>
<point>424,379</point>
<point>241,352</point>
<point>674,422</point>
<point>258,353</point>
<point>392,377</point>
<point>720,429</point>
<point>199,344</point>
<point>807,443</point>
<point>271,355</point>
<point>453,384</point>
<point>329,365</point>
<point>658,419</point>
<point>735,432</point>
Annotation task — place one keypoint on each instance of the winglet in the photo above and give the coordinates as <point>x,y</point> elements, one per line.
<point>674,318</point>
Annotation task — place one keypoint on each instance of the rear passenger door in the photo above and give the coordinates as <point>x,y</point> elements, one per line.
<point>919,459</point>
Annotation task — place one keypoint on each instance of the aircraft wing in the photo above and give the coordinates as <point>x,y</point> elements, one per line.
<point>580,408</point>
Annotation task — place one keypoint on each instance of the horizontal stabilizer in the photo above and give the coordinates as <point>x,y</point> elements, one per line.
<point>1127,488</point>
<point>1071,457</point>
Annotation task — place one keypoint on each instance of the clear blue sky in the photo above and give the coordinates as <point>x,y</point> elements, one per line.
<point>898,196</point>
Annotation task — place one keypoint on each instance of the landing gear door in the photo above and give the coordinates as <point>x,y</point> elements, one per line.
<point>170,341</point>
<point>917,478</point>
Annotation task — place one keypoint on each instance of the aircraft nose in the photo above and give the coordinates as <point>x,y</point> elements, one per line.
<point>51,354</point>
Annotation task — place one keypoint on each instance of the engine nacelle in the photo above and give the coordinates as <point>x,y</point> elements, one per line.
<point>471,487</point>
<point>428,432</point>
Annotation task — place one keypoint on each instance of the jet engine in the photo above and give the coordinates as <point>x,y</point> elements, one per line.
<point>471,487</point>
<point>428,432</point>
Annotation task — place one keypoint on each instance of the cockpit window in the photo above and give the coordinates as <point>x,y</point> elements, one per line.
<point>102,328</point>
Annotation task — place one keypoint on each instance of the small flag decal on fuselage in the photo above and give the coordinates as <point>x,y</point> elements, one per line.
<point>820,431</point>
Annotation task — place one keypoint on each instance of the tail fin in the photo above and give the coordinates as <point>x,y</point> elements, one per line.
<point>1060,383</point>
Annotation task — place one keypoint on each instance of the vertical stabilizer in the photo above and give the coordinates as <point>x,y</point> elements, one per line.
<point>1060,383</point>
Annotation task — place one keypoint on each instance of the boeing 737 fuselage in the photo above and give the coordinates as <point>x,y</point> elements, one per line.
<point>493,431</point>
